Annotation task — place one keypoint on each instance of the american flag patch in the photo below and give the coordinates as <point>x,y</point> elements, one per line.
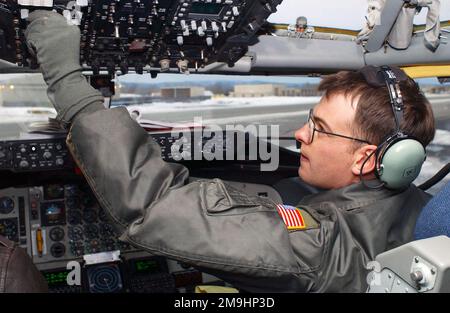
<point>291,216</point>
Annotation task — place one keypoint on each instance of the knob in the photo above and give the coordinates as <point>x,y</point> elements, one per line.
<point>194,25</point>
<point>47,155</point>
<point>23,149</point>
<point>24,164</point>
<point>59,162</point>
<point>59,147</point>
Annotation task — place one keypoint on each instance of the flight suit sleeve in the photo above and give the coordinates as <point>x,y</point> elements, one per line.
<point>205,223</point>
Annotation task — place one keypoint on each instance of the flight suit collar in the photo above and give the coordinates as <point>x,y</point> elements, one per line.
<point>348,197</point>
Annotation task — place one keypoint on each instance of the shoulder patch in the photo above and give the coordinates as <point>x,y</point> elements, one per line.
<point>296,219</point>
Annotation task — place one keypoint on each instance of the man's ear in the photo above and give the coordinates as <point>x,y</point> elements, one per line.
<point>360,157</point>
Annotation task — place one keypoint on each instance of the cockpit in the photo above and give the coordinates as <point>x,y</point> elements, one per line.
<point>221,86</point>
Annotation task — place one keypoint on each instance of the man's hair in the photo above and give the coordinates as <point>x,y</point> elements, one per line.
<point>374,118</point>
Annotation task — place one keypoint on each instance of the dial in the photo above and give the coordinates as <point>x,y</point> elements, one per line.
<point>52,192</point>
<point>8,229</point>
<point>74,217</point>
<point>57,250</point>
<point>121,245</point>
<point>91,231</point>
<point>109,244</point>
<point>106,230</point>
<point>56,234</point>
<point>93,246</point>
<point>72,190</point>
<point>6,205</point>
<point>77,248</point>
<point>72,202</point>
<point>75,233</point>
<point>89,216</point>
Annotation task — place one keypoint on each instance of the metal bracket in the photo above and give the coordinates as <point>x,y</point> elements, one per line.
<point>423,274</point>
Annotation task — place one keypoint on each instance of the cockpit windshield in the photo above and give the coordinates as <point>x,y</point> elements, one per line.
<point>214,100</point>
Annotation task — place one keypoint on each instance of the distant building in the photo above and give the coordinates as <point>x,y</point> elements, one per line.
<point>273,90</point>
<point>260,90</point>
<point>182,93</point>
<point>306,91</point>
<point>439,89</point>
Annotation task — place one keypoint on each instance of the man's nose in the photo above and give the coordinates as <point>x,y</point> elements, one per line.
<point>302,134</point>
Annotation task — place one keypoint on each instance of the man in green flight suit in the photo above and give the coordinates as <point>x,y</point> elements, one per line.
<point>247,241</point>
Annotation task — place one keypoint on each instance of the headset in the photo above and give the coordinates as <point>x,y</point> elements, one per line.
<point>399,158</point>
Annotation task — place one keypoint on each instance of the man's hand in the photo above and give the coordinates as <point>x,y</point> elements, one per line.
<point>57,48</point>
<point>55,44</point>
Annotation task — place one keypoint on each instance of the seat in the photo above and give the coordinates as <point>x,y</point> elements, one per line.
<point>434,220</point>
<point>422,265</point>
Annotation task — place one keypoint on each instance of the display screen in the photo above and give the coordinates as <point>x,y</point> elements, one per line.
<point>206,8</point>
<point>56,278</point>
<point>53,213</point>
<point>146,266</point>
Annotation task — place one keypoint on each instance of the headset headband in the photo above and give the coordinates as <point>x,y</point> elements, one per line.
<point>379,76</point>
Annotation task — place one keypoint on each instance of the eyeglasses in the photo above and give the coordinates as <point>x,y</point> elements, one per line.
<point>312,130</point>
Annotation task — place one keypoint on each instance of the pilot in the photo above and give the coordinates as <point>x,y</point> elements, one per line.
<point>322,245</point>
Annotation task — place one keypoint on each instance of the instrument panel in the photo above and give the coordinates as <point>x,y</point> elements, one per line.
<point>144,34</point>
<point>51,153</point>
<point>61,224</point>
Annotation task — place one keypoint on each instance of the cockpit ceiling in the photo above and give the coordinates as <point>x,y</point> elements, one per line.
<point>227,37</point>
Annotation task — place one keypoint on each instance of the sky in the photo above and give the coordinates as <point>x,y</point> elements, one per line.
<point>349,14</point>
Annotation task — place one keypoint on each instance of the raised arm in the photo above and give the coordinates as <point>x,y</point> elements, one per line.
<point>206,223</point>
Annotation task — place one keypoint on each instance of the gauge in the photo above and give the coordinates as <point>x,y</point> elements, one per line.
<point>73,202</point>
<point>52,192</point>
<point>72,191</point>
<point>106,230</point>
<point>75,233</point>
<point>104,278</point>
<point>91,231</point>
<point>57,250</point>
<point>89,216</point>
<point>93,246</point>
<point>74,217</point>
<point>6,205</point>
<point>77,248</point>
<point>109,244</point>
<point>56,234</point>
<point>123,245</point>
<point>8,229</point>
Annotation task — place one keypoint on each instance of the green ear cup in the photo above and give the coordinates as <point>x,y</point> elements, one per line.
<point>401,163</point>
